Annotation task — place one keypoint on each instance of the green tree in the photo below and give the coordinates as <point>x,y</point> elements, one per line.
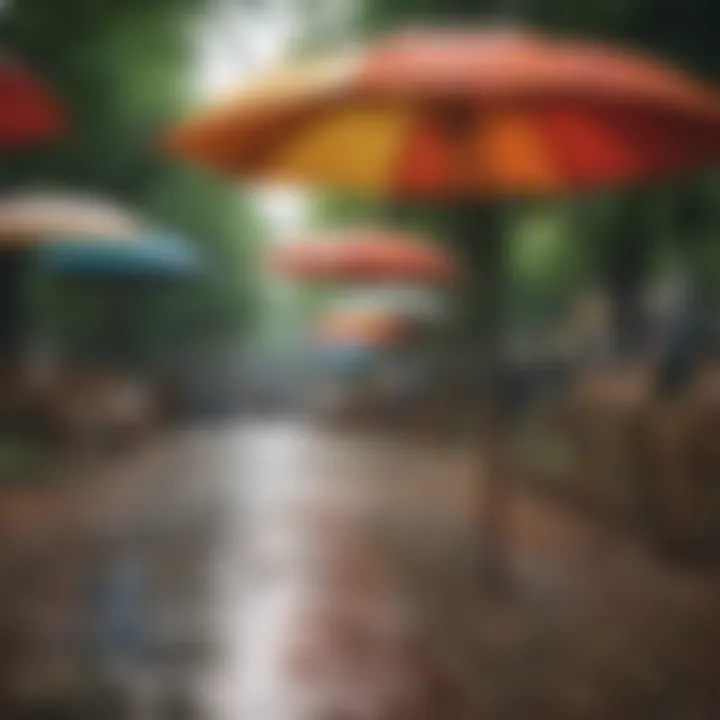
<point>122,70</point>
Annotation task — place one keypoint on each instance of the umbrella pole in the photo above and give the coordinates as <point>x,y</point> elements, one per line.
<point>627,263</point>
<point>482,235</point>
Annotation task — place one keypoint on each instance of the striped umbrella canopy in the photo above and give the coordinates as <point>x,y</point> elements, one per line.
<point>367,255</point>
<point>29,114</point>
<point>453,114</point>
<point>155,256</point>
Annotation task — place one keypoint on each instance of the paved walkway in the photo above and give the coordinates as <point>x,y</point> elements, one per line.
<point>335,580</point>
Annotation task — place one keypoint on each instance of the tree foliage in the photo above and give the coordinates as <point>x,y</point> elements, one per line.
<point>122,71</point>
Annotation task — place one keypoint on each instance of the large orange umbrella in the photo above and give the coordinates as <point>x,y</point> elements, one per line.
<point>367,256</point>
<point>29,114</point>
<point>463,114</point>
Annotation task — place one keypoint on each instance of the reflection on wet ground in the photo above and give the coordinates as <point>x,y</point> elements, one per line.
<point>276,572</point>
<point>360,598</point>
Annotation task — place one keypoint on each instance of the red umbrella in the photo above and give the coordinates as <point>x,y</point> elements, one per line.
<point>368,256</point>
<point>28,112</point>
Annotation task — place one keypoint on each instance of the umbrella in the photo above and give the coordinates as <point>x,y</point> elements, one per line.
<point>117,271</point>
<point>463,114</point>
<point>154,256</point>
<point>33,218</point>
<point>367,255</point>
<point>28,112</point>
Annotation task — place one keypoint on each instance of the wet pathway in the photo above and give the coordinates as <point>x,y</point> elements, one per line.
<point>297,575</point>
<point>292,575</point>
<point>344,589</point>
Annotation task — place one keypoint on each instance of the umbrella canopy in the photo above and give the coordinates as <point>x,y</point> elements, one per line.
<point>367,255</point>
<point>29,218</point>
<point>367,329</point>
<point>154,256</point>
<point>28,112</point>
<point>464,114</point>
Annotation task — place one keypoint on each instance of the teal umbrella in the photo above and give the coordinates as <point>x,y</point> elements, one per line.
<point>157,256</point>
<point>122,273</point>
